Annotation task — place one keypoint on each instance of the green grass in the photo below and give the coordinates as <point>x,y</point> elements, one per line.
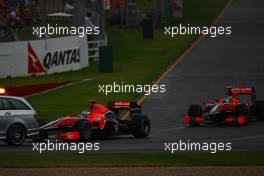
<point>136,61</point>
<point>92,160</point>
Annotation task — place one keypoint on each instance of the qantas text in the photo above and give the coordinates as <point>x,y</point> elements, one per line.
<point>60,58</point>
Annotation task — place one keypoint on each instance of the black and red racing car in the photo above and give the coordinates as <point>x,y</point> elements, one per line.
<point>99,121</point>
<point>228,110</point>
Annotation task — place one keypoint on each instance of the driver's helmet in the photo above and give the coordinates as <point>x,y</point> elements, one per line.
<point>85,113</point>
<point>228,99</point>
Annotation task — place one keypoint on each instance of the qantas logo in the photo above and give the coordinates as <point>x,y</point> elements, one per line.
<point>51,59</point>
<point>34,64</point>
<point>61,58</point>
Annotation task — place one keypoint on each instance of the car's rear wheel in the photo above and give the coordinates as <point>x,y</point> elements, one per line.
<point>140,126</point>
<point>84,128</point>
<point>241,113</point>
<point>16,135</point>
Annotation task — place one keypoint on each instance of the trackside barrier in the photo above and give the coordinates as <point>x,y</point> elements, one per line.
<point>42,57</point>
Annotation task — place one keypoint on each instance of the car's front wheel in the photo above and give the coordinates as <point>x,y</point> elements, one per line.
<point>16,135</point>
<point>84,128</point>
<point>195,111</point>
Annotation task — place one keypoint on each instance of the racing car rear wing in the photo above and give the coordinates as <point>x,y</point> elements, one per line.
<point>235,91</point>
<point>132,106</point>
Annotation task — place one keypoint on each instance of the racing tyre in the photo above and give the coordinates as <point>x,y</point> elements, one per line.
<point>195,111</point>
<point>16,135</point>
<point>241,110</point>
<point>84,128</point>
<point>140,126</point>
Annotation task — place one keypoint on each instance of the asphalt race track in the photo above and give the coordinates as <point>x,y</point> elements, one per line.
<point>214,63</point>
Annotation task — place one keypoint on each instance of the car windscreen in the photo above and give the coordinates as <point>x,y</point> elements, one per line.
<point>13,104</point>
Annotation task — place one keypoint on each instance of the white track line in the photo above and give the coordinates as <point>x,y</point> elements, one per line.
<point>60,87</point>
